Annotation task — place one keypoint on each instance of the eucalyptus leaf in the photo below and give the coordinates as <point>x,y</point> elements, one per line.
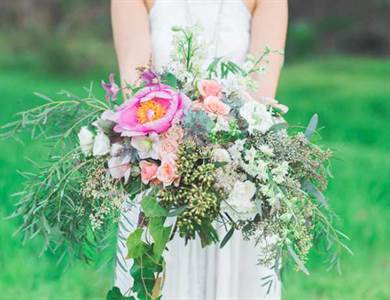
<point>313,190</point>
<point>311,128</point>
<point>258,207</point>
<point>177,211</point>
<point>297,260</point>
<point>227,237</point>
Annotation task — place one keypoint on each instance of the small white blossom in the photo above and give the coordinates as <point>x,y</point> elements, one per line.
<point>257,116</point>
<point>102,144</point>
<point>250,154</point>
<point>221,155</point>
<point>235,153</point>
<point>280,172</point>
<point>86,140</point>
<point>267,150</point>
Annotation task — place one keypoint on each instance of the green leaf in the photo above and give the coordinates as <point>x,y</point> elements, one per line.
<point>136,247</point>
<point>152,209</point>
<point>177,211</point>
<point>207,234</point>
<point>160,234</point>
<point>170,79</point>
<point>227,237</point>
<point>311,128</point>
<point>115,294</point>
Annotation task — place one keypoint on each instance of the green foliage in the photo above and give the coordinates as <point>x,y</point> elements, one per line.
<point>115,294</point>
<point>136,247</point>
<point>170,79</point>
<point>160,235</point>
<point>152,209</point>
<point>148,260</point>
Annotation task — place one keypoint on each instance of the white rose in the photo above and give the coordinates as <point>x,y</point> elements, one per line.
<point>239,201</point>
<point>257,116</point>
<point>86,140</point>
<point>221,155</point>
<point>102,144</point>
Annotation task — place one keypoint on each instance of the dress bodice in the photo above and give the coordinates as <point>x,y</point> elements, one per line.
<point>225,23</point>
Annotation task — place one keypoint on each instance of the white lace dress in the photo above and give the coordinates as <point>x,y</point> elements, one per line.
<point>193,272</point>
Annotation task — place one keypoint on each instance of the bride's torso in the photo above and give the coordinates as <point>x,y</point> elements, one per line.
<point>225,23</point>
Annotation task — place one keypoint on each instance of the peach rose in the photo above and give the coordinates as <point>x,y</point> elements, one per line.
<point>175,133</point>
<point>166,173</point>
<point>148,171</point>
<point>209,88</point>
<point>215,106</point>
<point>197,105</point>
<point>168,148</point>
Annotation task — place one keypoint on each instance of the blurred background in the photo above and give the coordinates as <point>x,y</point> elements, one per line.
<point>338,65</point>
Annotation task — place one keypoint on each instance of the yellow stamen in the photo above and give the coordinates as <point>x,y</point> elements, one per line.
<point>150,111</point>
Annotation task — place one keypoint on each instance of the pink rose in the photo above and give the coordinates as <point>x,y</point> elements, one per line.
<point>152,109</point>
<point>166,173</point>
<point>148,171</point>
<point>215,106</point>
<point>209,88</point>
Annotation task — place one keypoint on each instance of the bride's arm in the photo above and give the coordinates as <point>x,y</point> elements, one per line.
<point>269,28</point>
<point>130,26</point>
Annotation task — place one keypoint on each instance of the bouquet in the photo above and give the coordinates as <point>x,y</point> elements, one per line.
<point>189,147</point>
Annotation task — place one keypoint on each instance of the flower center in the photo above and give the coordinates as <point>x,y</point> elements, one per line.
<point>150,111</point>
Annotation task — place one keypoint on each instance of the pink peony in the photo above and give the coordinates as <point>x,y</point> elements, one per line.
<point>148,171</point>
<point>209,88</point>
<point>215,106</point>
<point>166,173</point>
<point>152,109</point>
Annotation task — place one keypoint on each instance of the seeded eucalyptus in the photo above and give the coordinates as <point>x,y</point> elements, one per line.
<point>196,192</point>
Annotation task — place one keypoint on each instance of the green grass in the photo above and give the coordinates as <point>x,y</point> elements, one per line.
<point>352,98</point>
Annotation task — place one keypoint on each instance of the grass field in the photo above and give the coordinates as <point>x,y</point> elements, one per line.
<point>352,98</point>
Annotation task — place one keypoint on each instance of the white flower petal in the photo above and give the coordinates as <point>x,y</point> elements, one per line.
<point>86,140</point>
<point>102,144</point>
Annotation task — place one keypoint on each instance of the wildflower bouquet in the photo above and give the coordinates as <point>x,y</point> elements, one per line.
<point>201,152</point>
